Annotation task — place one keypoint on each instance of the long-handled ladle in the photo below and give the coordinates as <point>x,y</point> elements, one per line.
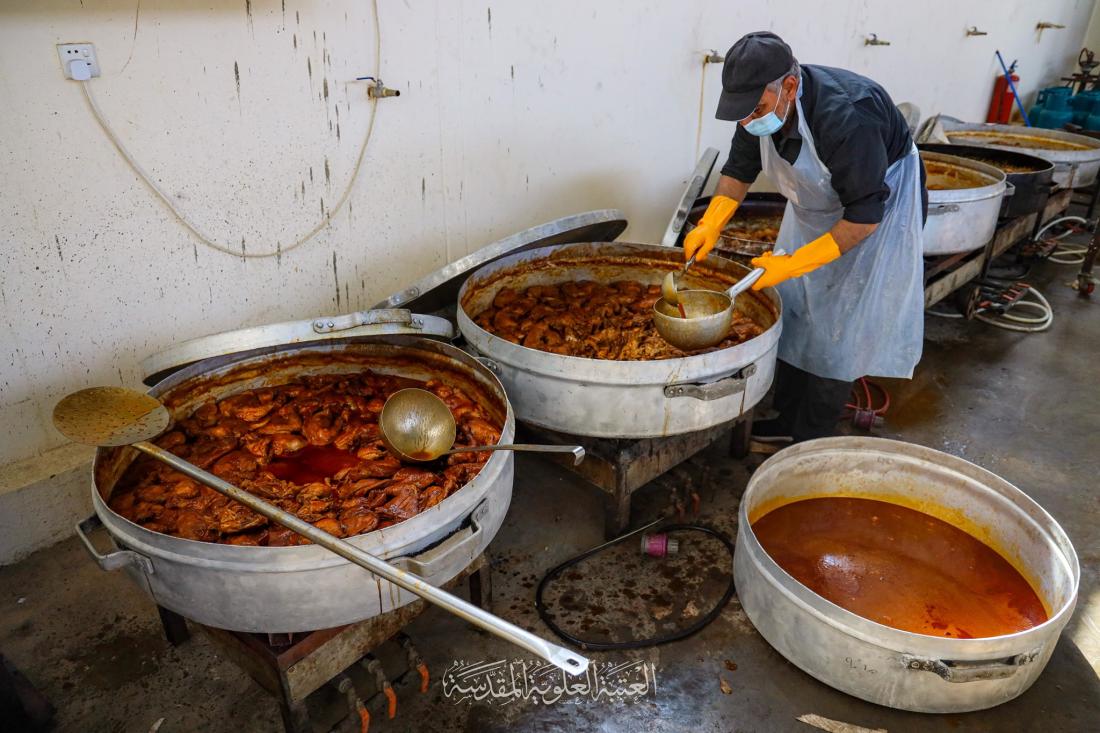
<point>418,426</point>
<point>115,416</point>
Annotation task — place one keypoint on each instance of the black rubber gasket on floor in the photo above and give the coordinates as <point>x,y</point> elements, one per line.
<point>603,646</point>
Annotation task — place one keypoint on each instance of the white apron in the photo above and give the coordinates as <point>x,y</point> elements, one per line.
<point>862,314</point>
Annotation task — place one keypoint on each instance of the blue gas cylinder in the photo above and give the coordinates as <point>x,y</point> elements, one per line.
<point>1092,122</point>
<point>1056,110</point>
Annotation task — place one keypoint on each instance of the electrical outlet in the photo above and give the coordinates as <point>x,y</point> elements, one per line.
<point>69,52</point>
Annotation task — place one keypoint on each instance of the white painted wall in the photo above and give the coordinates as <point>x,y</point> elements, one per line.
<point>511,114</point>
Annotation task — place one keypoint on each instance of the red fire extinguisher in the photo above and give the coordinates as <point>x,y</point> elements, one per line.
<point>1000,107</point>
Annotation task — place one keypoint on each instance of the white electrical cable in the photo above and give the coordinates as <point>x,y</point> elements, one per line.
<point>1024,324</point>
<point>942,314</point>
<point>1065,254</point>
<point>326,220</point>
<point>1010,321</point>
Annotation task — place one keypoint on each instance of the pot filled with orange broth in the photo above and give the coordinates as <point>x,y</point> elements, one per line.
<point>902,575</point>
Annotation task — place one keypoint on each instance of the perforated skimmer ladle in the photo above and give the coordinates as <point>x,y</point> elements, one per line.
<point>418,426</point>
<point>115,416</point>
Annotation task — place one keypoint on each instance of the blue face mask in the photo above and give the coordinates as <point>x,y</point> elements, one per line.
<point>768,124</point>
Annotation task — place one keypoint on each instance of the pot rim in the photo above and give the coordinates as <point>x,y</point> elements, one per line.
<point>952,125</point>
<point>964,151</point>
<point>611,371</point>
<point>880,634</point>
<point>966,195</point>
<point>298,557</point>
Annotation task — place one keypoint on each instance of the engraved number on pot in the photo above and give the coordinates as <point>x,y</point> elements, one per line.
<point>857,665</point>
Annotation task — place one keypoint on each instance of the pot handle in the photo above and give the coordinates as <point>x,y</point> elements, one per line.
<point>399,316</point>
<point>489,364</point>
<point>731,385</point>
<point>464,541</point>
<point>939,209</point>
<point>1010,189</point>
<point>970,671</point>
<point>112,560</point>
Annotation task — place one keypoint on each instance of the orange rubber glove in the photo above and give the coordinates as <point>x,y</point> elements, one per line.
<point>807,258</point>
<point>700,240</point>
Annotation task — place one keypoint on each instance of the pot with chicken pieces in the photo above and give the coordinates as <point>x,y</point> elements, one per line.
<point>592,319</point>
<point>312,447</point>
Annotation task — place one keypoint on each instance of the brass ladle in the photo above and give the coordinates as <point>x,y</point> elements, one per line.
<point>417,426</point>
<point>114,416</point>
<point>668,286</point>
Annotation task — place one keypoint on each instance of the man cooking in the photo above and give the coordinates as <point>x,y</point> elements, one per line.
<point>847,262</point>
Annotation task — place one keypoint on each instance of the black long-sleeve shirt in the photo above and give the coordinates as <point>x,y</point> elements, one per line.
<point>858,133</point>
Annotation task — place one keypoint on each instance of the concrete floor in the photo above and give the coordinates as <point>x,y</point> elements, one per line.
<point>1024,406</point>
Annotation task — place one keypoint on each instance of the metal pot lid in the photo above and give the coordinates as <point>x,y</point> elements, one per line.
<point>439,290</point>
<point>377,322</point>
<point>693,191</point>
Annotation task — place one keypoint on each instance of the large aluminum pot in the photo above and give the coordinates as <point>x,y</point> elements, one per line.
<point>961,219</point>
<point>879,663</point>
<point>623,399</point>
<point>302,588</point>
<point>1032,178</point>
<point>1076,158</point>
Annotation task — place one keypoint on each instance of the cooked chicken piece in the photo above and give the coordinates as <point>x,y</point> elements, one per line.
<point>234,466</point>
<point>480,432</point>
<point>355,431</point>
<point>257,445</point>
<point>371,451</point>
<point>315,490</point>
<point>234,517</point>
<point>457,476</point>
<point>431,496</point>
<point>457,458</point>
<point>267,486</point>
<point>250,539</point>
<point>207,450</point>
<point>418,477</point>
<point>505,320</point>
<point>206,414</point>
<point>401,506</point>
<point>153,493</point>
<point>330,525</point>
<point>283,537</point>
<point>183,492</point>
<point>358,522</point>
<point>245,406</point>
<point>313,509</point>
<point>505,297</point>
<point>123,502</point>
<point>229,427</point>
<point>284,420</point>
<point>143,511</point>
<point>384,466</point>
<point>284,443</point>
<point>348,489</point>
<point>171,440</point>
<point>193,525</point>
<point>320,428</point>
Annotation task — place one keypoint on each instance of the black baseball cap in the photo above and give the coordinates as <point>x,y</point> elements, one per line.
<point>756,60</point>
